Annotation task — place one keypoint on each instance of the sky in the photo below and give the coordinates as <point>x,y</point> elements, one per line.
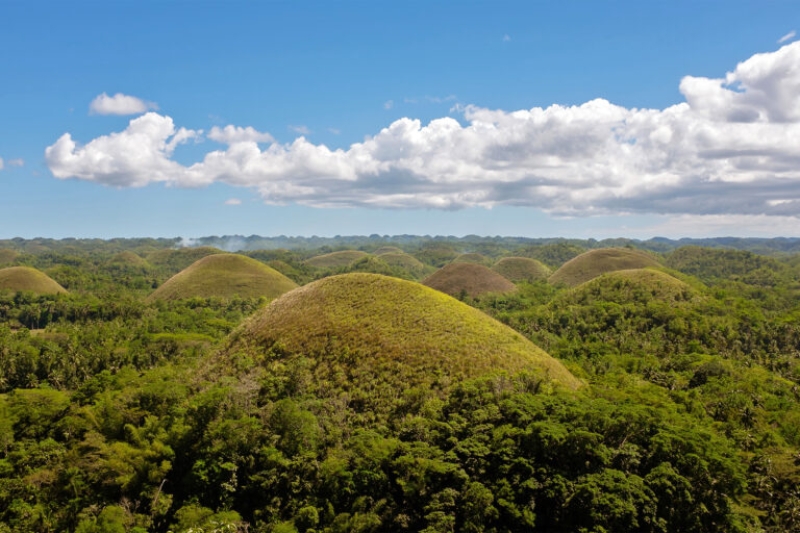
<point>539,119</point>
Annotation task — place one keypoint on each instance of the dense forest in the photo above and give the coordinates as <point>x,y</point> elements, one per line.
<point>121,411</point>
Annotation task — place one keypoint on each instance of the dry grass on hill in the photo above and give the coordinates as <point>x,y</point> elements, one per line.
<point>336,259</point>
<point>518,269</point>
<point>473,257</point>
<point>18,279</point>
<point>630,286</point>
<point>224,276</point>
<point>127,258</point>
<point>594,263</point>
<point>368,330</point>
<point>7,256</point>
<point>457,279</point>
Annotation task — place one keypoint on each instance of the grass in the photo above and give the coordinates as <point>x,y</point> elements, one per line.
<point>594,263</point>
<point>336,259</point>
<point>127,258</point>
<point>468,279</point>
<point>373,327</point>
<point>518,269</point>
<point>224,276</point>
<point>473,257</point>
<point>404,261</point>
<point>388,250</point>
<point>181,258</point>
<point>19,279</point>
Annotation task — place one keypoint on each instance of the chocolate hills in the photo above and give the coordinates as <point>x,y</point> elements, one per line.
<point>594,263</point>
<point>372,331</point>
<point>336,259</point>
<point>630,286</point>
<point>224,276</point>
<point>20,278</point>
<point>518,269</point>
<point>7,256</point>
<point>470,279</point>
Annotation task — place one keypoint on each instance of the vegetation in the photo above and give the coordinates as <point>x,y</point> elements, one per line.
<point>468,279</point>
<point>593,263</point>
<point>516,269</point>
<point>473,257</point>
<point>361,402</point>
<point>224,276</point>
<point>336,259</point>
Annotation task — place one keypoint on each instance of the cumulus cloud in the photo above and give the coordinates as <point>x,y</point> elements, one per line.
<point>302,130</point>
<point>233,201</point>
<point>119,104</point>
<point>233,134</point>
<point>788,37</point>
<point>731,148</point>
<point>16,162</point>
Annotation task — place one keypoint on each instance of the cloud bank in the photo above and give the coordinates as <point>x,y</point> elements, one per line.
<point>119,104</point>
<point>731,148</point>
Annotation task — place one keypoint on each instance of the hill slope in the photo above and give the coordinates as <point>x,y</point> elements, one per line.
<point>594,263</point>
<point>372,332</point>
<point>518,269</point>
<point>630,286</point>
<point>224,276</point>
<point>336,259</point>
<point>470,279</point>
<point>28,279</point>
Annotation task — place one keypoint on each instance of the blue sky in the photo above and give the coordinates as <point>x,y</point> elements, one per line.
<point>575,119</point>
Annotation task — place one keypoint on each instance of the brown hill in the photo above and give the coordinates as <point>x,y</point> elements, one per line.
<point>468,279</point>
<point>518,269</point>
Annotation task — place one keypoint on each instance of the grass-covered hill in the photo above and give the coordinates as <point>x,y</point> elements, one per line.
<point>18,279</point>
<point>371,332</point>
<point>468,279</point>
<point>387,250</point>
<point>714,264</point>
<point>7,256</point>
<point>405,262</point>
<point>517,269</point>
<point>224,276</point>
<point>594,263</point>
<point>127,259</point>
<point>335,260</point>
<point>175,260</point>
<point>630,286</point>
<point>473,257</point>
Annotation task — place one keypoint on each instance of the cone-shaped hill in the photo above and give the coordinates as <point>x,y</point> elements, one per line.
<point>594,263</point>
<point>473,257</point>
<point>127,259</point>
<point>336,259</point>
<point>387,250</point>
<point>630,286</point>
<point>518,269</point>
<point>367,331</point>
<point>18,279</point>
<point>224,276</point>
<point>405,261</point>
<point>470,279</point>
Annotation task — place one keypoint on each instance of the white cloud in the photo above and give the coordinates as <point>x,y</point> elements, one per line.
<point>16,162</point>
<point>731,149</point>
<point>233,134</point>
<point>388,104</point>
<point>1,163</point>
<point>119,104</point>
<point>788,37</point>
<point>335,131</point>
<point>233,201</point>
<point>302,130</point>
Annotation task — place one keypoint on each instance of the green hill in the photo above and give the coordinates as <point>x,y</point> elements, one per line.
<point>336,259</point>
<point>18,279</point>
<point>224,276</point>
<point>384,334</point>
<point>518,269</point>
<point>714,264</point>
<point>457,279</point>
<point>176,260</point>
<point>630,286</point>
<point>473,257</point>
<point>594,263</point>
<point>405,261</point>
<point>127,259</point>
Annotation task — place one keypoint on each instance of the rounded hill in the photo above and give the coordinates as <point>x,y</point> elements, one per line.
<point>127,259</point>
<point>224,276</point>
<point>19,279</point>
<point>336,259</point>
<point>594,263</point>
<point>473,257</point>
<point>367,329</point>
<point>631,286</point>
<point>457,279</point>
<point>518,269</point>
<point>7,256</point>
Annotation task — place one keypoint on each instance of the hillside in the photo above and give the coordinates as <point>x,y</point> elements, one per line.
<point>224,276</point>
<point>7,256</point>
<point>516,269</point>
<point>336,259</point>
<point>594,263</point>
<point>468,279</point>
<point>630,286</point>
<point>19,279</point>
<point>713,264</point>
<point>374,331</point>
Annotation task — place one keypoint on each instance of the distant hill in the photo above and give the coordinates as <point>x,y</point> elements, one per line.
<point>127,259</point>
<point>20,278</point>
<point>224,276</point>
<point>517,269</point>
<point>594,263</point>
<point>403,260</point>
<point>178,259</point>
<point>714,264</point>
<point>372,332</point>
<point>468,279</point>
<point>7,256</point>
<point>473,257</point>
<point>630,286</point>
<point>336,259</point>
